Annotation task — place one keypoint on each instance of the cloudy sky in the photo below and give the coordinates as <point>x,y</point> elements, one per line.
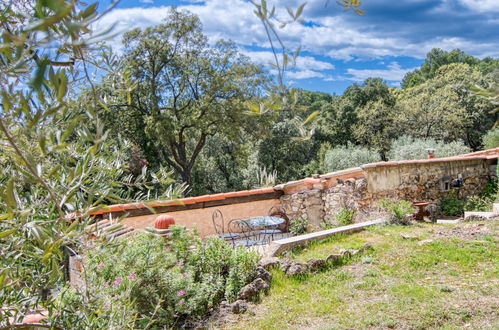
<point>338,48</point>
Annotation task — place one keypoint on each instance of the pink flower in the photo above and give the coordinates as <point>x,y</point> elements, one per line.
<point>181,293</point>
<point>117,281</point>
<point>181,302</point>
<point>100,266</point>
<point>180,263</point>
<point>131,276</point>
<point>184,275</point>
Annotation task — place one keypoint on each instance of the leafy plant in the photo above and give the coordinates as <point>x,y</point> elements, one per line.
<point>491,139</point>
<point>298,226</point>
<point>340,158</point>
<point>408,147</point>
<point>450,205</point>
<point>156,282</point>
<point>484,201</point>
<point>399,210</point>
<point>344,216</point>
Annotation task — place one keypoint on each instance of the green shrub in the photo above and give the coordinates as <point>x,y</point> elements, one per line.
<point>158,283</point>
<point>343,216</point>
<point>483,202</point>
<point>298,226</point>
<point>407,147</point>
<point>340,158</point>
<point>398,209</point>
<point>450,205</point>
<point>491,139</point>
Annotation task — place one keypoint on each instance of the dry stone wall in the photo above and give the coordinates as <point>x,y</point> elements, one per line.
<point>411,181</point>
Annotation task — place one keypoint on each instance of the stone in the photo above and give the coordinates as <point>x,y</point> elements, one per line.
<point>239,307</point>
<point>268,262</point>
<point>366,247</point>
<point>315,264</point>
<point>425,241</point>
<point>251,292</point>
<point>296,268</point>
<point>346,254</point>
<point>333,258</point>
<point>407,236</point>
<point>262,273</point>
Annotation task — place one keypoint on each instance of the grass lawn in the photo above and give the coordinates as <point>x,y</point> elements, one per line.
<point>449,282</point>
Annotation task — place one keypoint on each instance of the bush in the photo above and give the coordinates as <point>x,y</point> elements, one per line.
<point>491,139</point>
<point>298,226</point>
<point>407,147</point>
<point>343,216</point>
<point>398,209</point>
<point>340,158</point>
<point>450,205</point>
<point>156,283</point>
<point>483,202</point>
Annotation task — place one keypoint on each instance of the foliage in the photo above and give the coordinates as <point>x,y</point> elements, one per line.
<point>184,90</point>
<point>484,201</point>
<point>156,282</point>
<point>344,216</point>
<point>57,166</point>
<point>340,158</point>
<point>450,205</point>
<point>398,209</point>
<point>437,58</point>
<point>444,107</point>
<point>408,147</point>
<point>491,139</point>
<point>298,226</point>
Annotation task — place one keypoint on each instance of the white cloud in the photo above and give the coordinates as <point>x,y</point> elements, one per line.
<point>393,73</point>
<point>302,62</point>
<point>335,35</point>
<point>303,74</point>
<point>147,1</point>
<point>481,5</point>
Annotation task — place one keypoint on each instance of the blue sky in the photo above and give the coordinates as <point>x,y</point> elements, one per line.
<point>338,48</point>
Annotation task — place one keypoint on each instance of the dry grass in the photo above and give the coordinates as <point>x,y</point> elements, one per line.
<point>450,282</point>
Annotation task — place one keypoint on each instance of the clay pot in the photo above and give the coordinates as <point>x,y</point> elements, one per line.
<point>164,221</point>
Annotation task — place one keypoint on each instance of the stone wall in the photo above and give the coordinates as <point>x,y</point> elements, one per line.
<point>426,180</point>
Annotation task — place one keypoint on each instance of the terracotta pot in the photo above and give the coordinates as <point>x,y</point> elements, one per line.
<point>164,221</point>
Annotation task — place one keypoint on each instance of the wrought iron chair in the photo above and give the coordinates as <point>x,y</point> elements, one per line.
<point>278,211</point>
<point>219,225</point>
<point>249,236</point>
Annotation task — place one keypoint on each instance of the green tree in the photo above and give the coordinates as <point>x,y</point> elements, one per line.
<point>444,107</point>
<point>184,90</point>
<point>437,58</point>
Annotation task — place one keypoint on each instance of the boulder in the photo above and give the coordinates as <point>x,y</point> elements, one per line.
<point>268,262</point>
<point>251,291</point>
<point>263,274</point>
<point>239,307</point>
<point>315,264</point>
<point>296,268</point>
<point>333,258</point>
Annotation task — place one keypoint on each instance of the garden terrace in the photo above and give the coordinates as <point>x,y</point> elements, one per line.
<point>320,197</point>
<point>418,277</point>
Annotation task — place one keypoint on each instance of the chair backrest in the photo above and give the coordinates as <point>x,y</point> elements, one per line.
<point>218,221</point>
<point>278,211</point>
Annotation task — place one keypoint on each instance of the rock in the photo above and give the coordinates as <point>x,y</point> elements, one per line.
<point>333,258</point>
<point>407,236</point>
<point>296,268</point>
<point>251,291</point>
<point>263,274</point>
<point>346,254</point>
<point>315,264</point>
<point>239,307</point>
<point>268,263</point>
<point>285,264</point>
<point>365,247</point>
<point>426,241</point>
